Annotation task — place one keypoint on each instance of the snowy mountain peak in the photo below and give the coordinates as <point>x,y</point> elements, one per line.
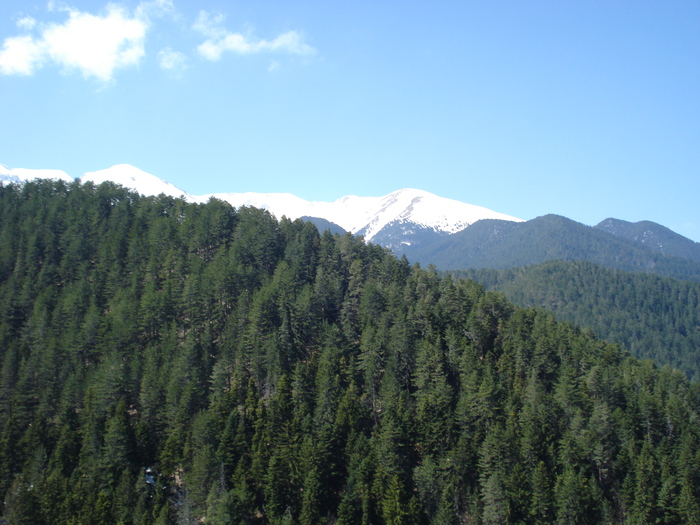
<point>424,209</point>
<point>136,179</point>
<point>394,220</point>
<point>369,215</point>
<point>8,175</point>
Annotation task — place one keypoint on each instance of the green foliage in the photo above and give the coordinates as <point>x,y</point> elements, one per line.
<point>165,362</point>
<point>652,317</point>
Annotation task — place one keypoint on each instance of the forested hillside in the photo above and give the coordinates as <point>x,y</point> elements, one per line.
<point>657,237</point>
<point>653,317</point>
<point>166,363</point>
<point>498,244</point>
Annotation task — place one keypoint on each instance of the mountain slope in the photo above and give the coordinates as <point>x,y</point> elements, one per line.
<point>165,362</point>
<point>652,317</point>
<point>323,225</point>
<point>503,244</point>
<point>654,236</point>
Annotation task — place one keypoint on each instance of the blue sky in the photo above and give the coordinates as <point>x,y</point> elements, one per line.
<point>587,109</point>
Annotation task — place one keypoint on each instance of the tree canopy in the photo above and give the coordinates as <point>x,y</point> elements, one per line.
<point>653,317</point>
<point>165,362</point>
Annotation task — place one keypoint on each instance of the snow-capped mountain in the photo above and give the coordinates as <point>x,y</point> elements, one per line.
<point>409,209</point>
<point>433,230</point>
<point>135,179</point>
<point>8,175</point>
<point>403,218</point>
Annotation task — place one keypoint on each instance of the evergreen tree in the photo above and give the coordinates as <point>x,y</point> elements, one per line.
<point>166,362</point>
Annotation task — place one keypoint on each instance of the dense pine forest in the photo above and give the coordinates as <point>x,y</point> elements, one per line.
<point>653,317</point>
<point>173,363</point>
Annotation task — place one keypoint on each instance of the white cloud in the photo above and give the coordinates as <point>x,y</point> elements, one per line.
<point>210,25</point>
<point>220,40</point>
<point>99,45</point>
<point>95,45</point>
<point>26,23</point>
<point>20,55</point>
<point>172,60</point>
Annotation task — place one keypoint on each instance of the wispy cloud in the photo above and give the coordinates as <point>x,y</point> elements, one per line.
<point>95,45</point>
<point>26,23</point>
<point>173,61</point>
<point>220,40</point>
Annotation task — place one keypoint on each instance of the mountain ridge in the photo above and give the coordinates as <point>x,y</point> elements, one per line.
<point>366,216</point>
<point>429,229</point>
<point>502,245</point>
<point>655,236</point>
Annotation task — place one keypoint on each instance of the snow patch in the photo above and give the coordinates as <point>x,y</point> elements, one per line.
<point>138,180</point>
<point>20,175</point>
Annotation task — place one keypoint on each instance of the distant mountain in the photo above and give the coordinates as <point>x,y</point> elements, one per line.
<point>323,225</point>
<point>402,236</point>
<point>656,237</point>
<point>504,244</point>
<point>8,175</point>
<point>450,234</point>
<point>399,219</point>
<point>136,179</point>
<point>404,217</point>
